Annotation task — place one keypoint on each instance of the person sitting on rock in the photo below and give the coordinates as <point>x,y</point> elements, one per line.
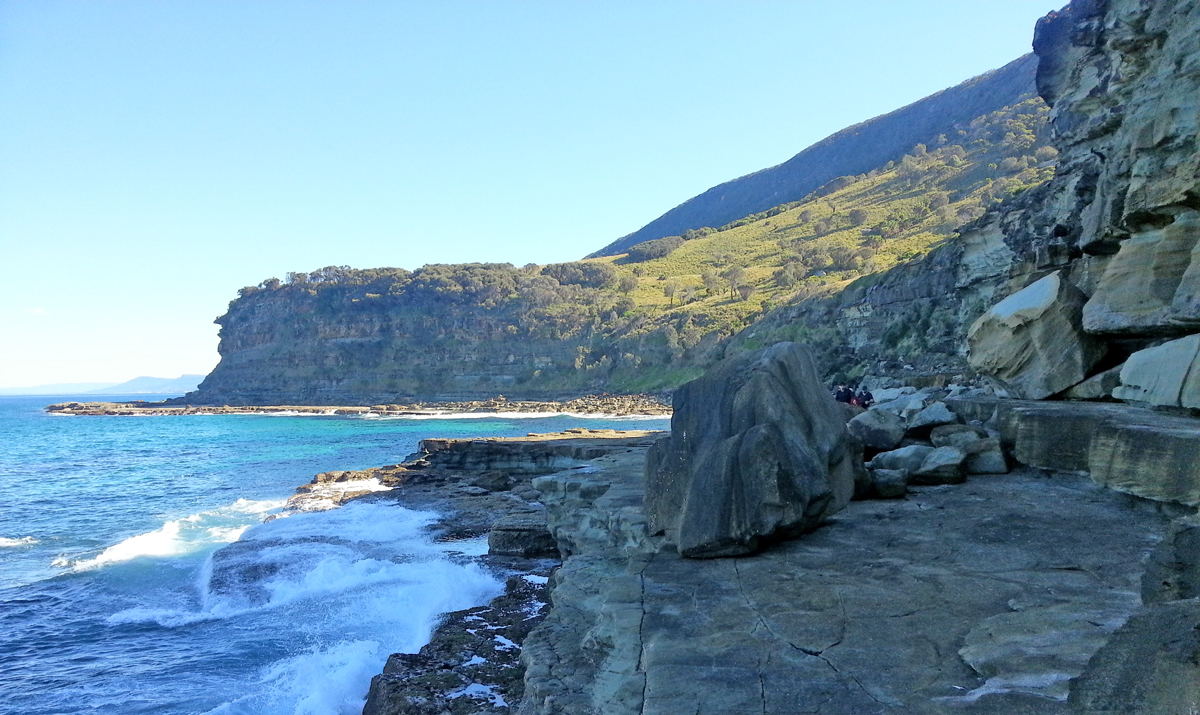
<point>843,394</point>
<point>864,398</point>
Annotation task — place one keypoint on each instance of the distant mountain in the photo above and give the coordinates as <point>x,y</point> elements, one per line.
<point>58,388</point>
<point>851,151</point>
<point>152,386</point>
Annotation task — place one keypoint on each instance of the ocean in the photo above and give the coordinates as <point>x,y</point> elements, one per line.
<point>111,600</point>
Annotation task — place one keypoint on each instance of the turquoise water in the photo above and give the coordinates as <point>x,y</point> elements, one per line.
<point>111,598</point>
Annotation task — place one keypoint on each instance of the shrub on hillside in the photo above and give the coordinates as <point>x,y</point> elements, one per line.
<point>659,247</point>
<point>588,275</point>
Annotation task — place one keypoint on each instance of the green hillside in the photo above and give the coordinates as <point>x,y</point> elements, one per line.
<point>714,282</point>
<point>648,319</point>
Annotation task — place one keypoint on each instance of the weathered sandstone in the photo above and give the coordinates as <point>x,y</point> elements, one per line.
<point>1033,341</point>
<point>758,452</point>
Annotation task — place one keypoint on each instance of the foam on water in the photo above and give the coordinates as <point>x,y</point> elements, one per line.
<point>180,536</point>
<point>328,495</point>
<point>375,579</point>
<point>12,543</point>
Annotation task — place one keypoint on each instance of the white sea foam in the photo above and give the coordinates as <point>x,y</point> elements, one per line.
<point>11,543</point>
<point>180,536</point>
<point>378,584</point>
<point>328,495</point>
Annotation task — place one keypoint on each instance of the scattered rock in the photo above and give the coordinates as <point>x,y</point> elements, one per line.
<point>908,459</point>
<point>932,416</point>
<point>877,429</point>
<point>758,452</point>
<point>888,394</point>
<point>955,435</point>
<point>889,483</point>
<point>1033,340</point>
<point>1097,387</point>
<point>986,457</point>
<point>944,465</point>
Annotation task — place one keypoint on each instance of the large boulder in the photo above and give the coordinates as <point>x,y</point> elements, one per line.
<point>758,452</point>
<point>877,429</point>
<point>1033,340</point>
<point>1163,375</point>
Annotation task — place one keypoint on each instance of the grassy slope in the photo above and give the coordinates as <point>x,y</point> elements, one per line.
<point>968,169</point>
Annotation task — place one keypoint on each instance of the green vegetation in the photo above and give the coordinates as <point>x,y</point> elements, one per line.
<point>651,318</point>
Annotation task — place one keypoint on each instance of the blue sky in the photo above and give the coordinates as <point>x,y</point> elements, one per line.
<point>157,156</point>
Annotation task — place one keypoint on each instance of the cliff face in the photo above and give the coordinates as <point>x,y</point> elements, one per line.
<point>1119,219</point>
<point>371,337</point>
<point>853,150</point>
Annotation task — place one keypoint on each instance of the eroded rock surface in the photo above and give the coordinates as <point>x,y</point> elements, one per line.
<point>923,604</point>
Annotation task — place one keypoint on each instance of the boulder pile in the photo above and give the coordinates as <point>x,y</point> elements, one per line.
<point>914,437</point>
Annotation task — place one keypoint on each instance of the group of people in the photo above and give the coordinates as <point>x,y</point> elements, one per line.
<point>862,398</point>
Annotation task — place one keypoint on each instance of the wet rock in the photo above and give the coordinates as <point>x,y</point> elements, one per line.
<point>877,429</point>
<point>758,452</point>
<point>1033,340</point>
<point>1163,375</point>
<point>471,665</point>
<point>944,465</point>
<point>522,534</point>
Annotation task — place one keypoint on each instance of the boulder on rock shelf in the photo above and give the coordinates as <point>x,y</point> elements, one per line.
<point>1163,375</point>
<point>943,465</point>
<point>758,452</point>
<point>986,457</point>
<point>888,483</point>
<point>1033,340</point>
<point>907,458</point>
<point>932,416</point>
<point>955,435</point>
<point>878,429</point>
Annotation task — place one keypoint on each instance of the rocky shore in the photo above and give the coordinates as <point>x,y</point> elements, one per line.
<point>480,487</point>
<point>1039,590</point>
<point>619,405</point>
